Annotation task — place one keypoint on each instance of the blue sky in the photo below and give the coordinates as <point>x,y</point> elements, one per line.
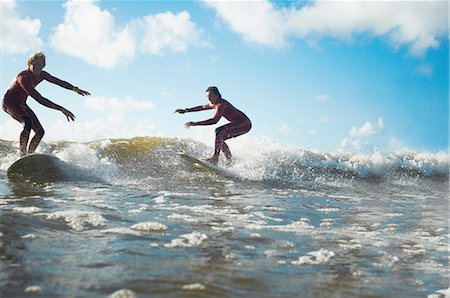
<point>325,75</point>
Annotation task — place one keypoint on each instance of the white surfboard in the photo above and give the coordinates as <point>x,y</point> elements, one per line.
<point>37,168</point>
<point>207,165</point>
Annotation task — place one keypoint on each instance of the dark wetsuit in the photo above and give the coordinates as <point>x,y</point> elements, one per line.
<point>14,100</point>
<point>239,124</point>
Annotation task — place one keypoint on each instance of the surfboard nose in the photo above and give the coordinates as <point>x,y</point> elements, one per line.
<point>39,168</point>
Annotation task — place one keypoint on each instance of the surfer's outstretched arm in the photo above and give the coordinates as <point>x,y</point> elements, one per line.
<point>211,121</point>
<point>48,77</point>
<point>25,83</point>
<point>195,109</point>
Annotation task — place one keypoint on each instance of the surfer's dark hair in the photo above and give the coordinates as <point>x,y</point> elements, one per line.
<point>214,90</point>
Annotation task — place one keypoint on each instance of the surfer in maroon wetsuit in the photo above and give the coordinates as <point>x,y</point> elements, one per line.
<point>14,100</point>
<point>239,122</point>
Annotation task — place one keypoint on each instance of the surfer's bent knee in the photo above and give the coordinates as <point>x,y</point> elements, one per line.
<point>40,132</point>
<point>219,130</point>
<point>27,123</point>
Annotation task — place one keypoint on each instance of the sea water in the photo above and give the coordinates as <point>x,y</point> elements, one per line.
<point>136,220</point>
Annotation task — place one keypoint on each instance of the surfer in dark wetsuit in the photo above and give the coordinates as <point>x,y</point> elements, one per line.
<point>14,100</point>
<point>239,122</point>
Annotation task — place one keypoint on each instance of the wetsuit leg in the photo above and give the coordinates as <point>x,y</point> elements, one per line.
<point>20,113</point>
<point>228,131</point>
<point>38,130</point>
<point>25,134</point>
<point>226,150</point>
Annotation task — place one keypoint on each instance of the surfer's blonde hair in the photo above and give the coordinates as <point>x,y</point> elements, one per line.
<point>35,56</point>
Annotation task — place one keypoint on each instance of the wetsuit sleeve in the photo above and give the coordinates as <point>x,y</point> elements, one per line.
<point>57,81</point>
<point>25,82</point>
<point>215,119</point>
<point>200,108</point>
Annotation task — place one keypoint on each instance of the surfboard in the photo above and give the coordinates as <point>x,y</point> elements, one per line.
<point>37,168</point>
<point>203,164</point>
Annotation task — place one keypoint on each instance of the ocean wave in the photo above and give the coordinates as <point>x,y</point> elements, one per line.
<point>153,160</point>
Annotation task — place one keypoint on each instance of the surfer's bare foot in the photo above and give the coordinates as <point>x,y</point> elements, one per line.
<point>213,160</point>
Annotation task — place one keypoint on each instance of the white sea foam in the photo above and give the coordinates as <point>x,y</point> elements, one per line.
<point>414,250</point>
<point>87,161</point>
<point>327,223</point>
<point>123,293</point>
<point>77,219</point>
<point>28,210</point>
<point>121,231</point>
<point>149,227</point>
<point>271,253</point>
<point>187,240</point>
<point>255,235</point>
<point>160,200</point>
<point>182,217</point>
<point>193,287</point>
<point>285,244</point>
<point>33,289</point>
<point>29,236</point>
<point>444,293</point>
<point>295,227</point>
<point>350,245</point>
<point>315,257</point>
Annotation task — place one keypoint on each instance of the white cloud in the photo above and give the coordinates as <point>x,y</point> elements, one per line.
<point>324,119</point>
<point>168,31</point>
<point>257,21</point>
<point>115,118</point>
<point>91,33</point>
<point>98,128</point>
<point>18,35</point>
<point>364,136</point>
<point>9,129</point>
<point>117,109</point>
<point>367,130</point>
<point>416,24</point>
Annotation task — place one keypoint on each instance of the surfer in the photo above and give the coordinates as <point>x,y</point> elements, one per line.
<point>239,122</point>
<point>14,100</point>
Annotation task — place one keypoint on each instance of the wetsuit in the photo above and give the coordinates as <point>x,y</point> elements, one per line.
<point>239,123</point>
<point>14,100</point>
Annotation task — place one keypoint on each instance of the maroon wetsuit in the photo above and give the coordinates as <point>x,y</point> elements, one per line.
<point>14,100</point>
<point>239,123</point>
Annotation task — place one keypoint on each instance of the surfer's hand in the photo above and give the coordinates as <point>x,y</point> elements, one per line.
<point>68,114</point>
<point>81,92</point>
<point>180,111</point>
<point>189,124</point>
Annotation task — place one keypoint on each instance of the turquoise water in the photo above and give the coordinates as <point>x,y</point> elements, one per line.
<point>134,219</point>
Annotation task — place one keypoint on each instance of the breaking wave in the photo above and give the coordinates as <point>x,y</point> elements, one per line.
<point>153,161</point>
